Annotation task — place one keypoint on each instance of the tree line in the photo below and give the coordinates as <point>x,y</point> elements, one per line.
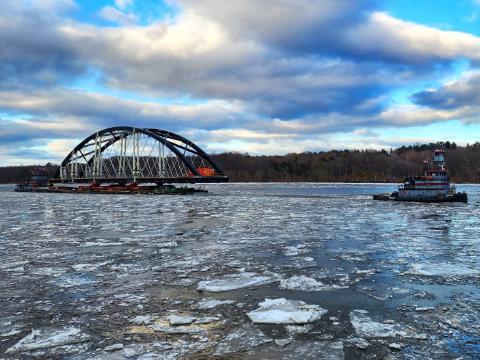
<point>391,165</point>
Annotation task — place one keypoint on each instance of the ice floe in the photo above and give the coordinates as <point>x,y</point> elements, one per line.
<point>180,325</point>
<point>114,347</point>
<point>46,338</point>
<point>283,311</point>
<point>443,270</point>
<point>9,326</point>
<point>295,250</point>
<point>283,342</point>
<point>365,327</point>
<point>89,267</point>
<point>304,350</point>
<point>298,329</point>
<point>233,282</point>
<point>304,283</point>
<point>142,319</point>
<point>244,338</point>
<point>181,320</point>
<point>213,303</point>
<point>73,280</point>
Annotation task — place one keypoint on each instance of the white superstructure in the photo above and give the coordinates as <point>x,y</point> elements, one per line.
<point>433,185</point>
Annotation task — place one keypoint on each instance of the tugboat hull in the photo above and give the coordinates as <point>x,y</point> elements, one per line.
<point>457,197</point>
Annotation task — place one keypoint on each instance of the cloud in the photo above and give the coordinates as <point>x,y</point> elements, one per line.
<point>34,52</point>
<point>412,115</point>
<point>461,93</point>
<point>253,73</point>
<point>391,39</point>
<point>68,112</point>
<point>123,4</point>
<point>117,16</point>
<point>299,26</point>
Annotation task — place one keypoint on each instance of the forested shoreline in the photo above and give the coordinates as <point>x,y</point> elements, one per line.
<point>326,166</point>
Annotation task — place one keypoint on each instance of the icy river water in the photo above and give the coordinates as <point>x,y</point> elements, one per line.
<point>247,271</point>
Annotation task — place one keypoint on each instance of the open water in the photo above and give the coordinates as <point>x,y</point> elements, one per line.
<point>164,277</point>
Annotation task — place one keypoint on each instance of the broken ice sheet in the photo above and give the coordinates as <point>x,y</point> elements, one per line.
<point>89,267</point>
<point>142,319</point>
<point>9,326</point>
<point>305,283</point>
<point>295,250</point>
<point>161,350</point>
<point>298,329</point>
<point>365,327</point>
<point>72,280</point>
<point>443,270</point>
<point>304,350</point>
<point>47,338</point>
<point>212,303</point>
<point>180,320</point>
<point>283,311</point>
<point>244,338</point>
<point>165,326</point>
<point>236,281</point>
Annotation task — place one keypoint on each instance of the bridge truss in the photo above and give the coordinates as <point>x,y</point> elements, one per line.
<point>140,155</point>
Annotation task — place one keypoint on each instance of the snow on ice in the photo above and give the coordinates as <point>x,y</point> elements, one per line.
<point>283,311</point>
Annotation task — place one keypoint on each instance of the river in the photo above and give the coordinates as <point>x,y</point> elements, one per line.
<point>247,271</point>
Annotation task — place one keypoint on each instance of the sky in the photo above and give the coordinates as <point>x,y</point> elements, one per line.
<point>258,77</point>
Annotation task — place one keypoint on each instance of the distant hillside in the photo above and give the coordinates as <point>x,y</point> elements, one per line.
<point>334,165</point>
<point>351,165</point>
<point>18,174</point>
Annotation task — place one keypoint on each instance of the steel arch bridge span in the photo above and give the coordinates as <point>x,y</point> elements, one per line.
<point>139,155</point>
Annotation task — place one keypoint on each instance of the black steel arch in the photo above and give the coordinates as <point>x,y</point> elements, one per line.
<point>161,136</point>
<point>198,150</point>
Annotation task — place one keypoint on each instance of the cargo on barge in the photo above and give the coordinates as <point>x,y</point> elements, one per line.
<point>39,183</point>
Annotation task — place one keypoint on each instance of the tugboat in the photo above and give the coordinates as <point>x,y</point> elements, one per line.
<point>433,186</point>
<point>38,179</point>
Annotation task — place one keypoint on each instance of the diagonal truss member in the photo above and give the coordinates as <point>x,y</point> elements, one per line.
<point>127,154</point>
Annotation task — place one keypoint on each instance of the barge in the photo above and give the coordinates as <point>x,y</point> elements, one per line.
<point>39,183</point>
<point>434,186</point>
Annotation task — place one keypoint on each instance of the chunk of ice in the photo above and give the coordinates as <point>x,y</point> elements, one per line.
<point>46,338</point>
<point>283,311</point>
<point>244,338</point>
<point>365,327</point>
<point>304,283</point>
<point>211,304</point>
<point>142,319</point>
<point>233,282</point>
<point>283,342</point>
<point>395,346</point>
<point>443,269</point>
<point>298,329</point>
<point>114,347</point>
<point>180,320</point>
<point>304,350</point>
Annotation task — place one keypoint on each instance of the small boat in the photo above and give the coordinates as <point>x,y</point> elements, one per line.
<point>433,186</point>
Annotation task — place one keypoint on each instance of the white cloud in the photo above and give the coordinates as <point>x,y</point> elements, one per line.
<point>412,115</point>
<point>259,74</point>
<point>123,4</point>
<point>387,37</point>
<point>117,16</point>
